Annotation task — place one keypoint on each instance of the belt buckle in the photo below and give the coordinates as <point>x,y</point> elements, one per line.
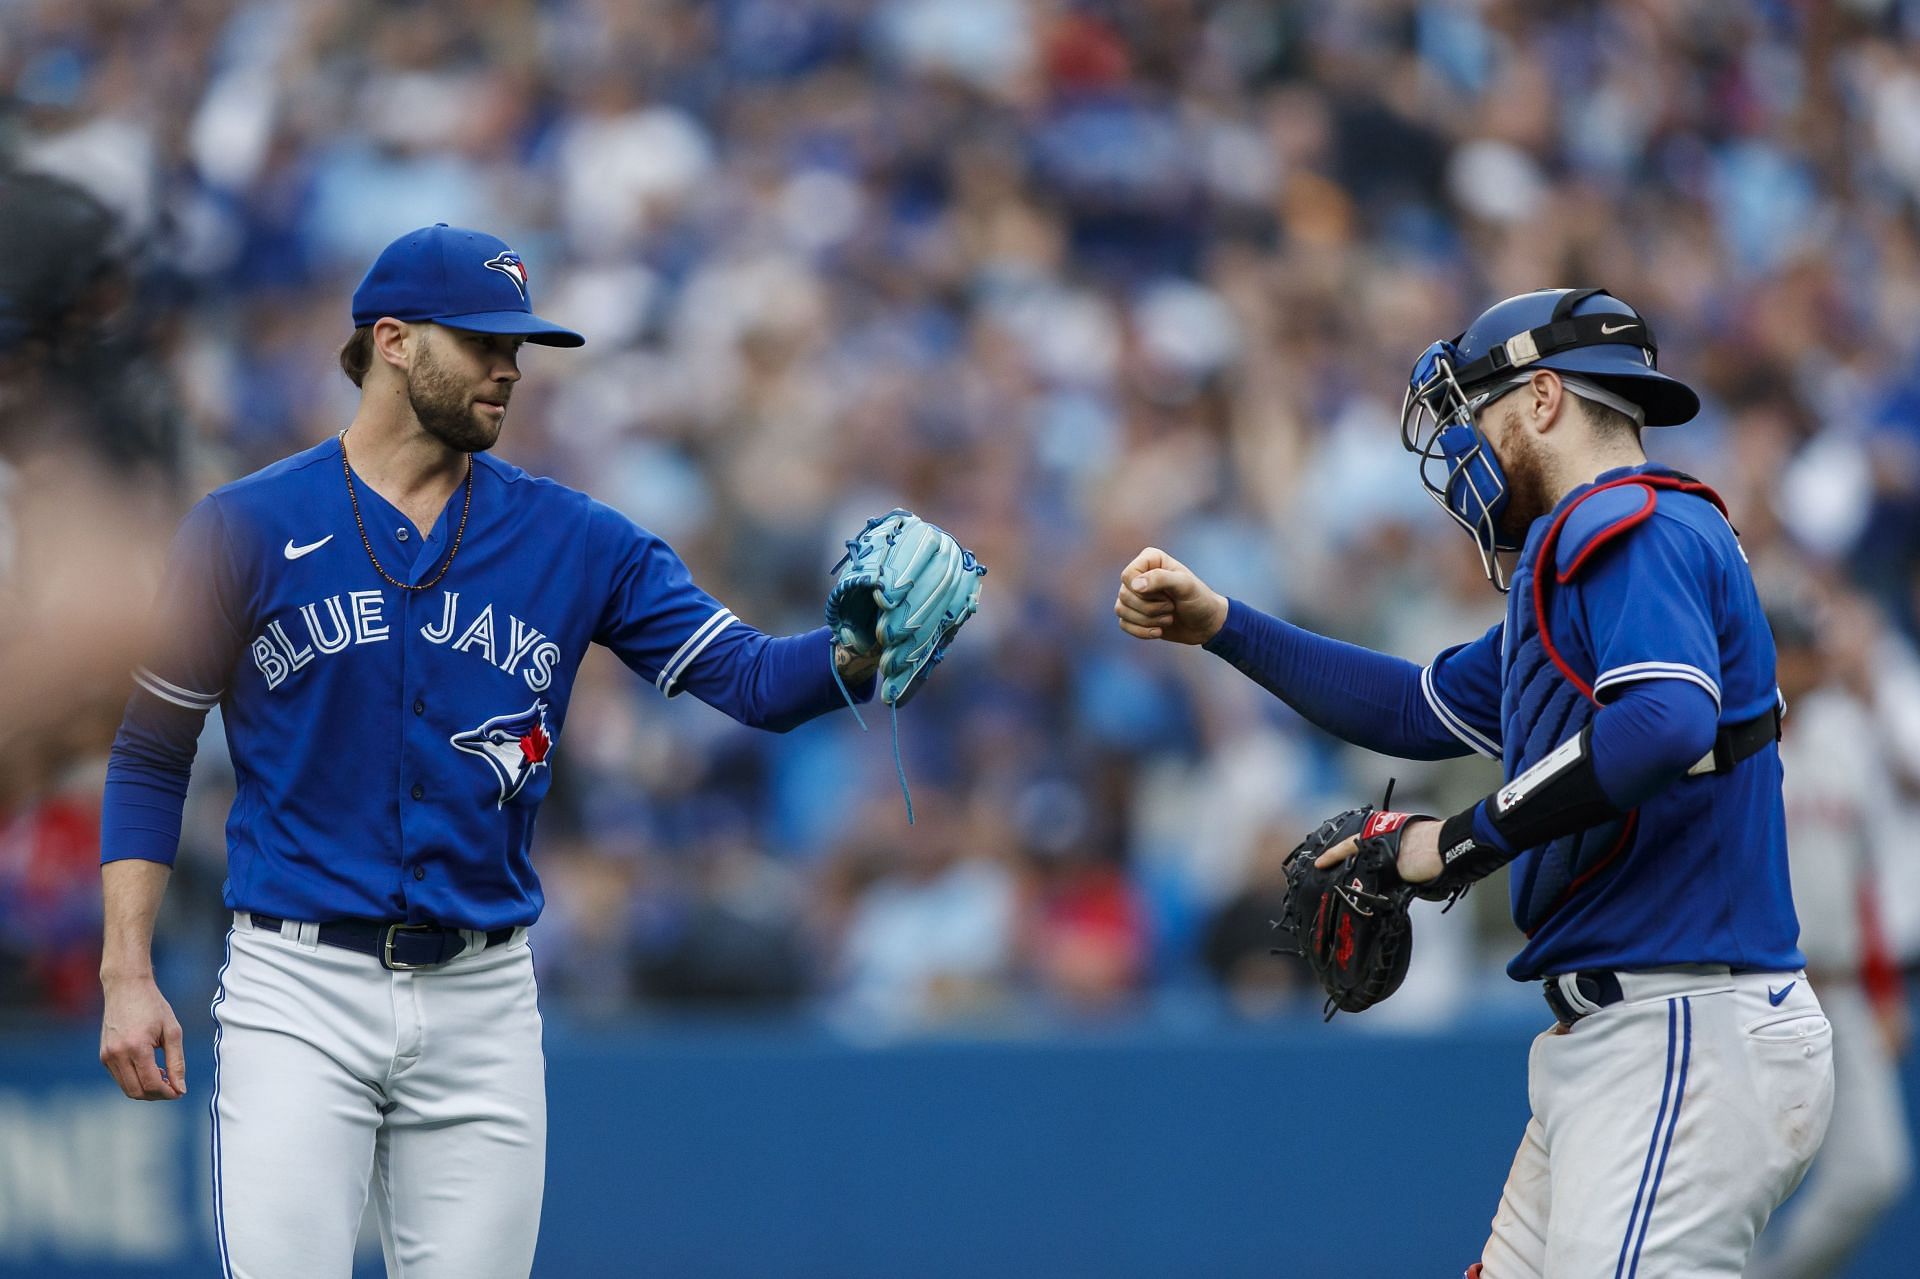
<point>387,960</point>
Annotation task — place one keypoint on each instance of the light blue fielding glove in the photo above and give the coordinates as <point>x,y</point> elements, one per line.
<point>905,588</point>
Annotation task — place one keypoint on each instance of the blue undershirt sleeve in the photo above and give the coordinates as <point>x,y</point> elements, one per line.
<point>1370,699</point>
<point>1649,736</point>
<point>201,629</point>
<point>146,788</point>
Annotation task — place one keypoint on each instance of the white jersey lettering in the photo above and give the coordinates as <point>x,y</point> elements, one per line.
<point>479,632</point>
<point>368,626</point>
<point>545,658</point>
<point>296,658</point>
<point>442,633</point>
<point>341,635</point>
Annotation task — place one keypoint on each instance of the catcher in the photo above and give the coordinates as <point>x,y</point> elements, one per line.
<point>1629,695</point>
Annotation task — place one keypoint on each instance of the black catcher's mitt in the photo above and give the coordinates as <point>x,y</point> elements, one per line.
<point>1350,920</point>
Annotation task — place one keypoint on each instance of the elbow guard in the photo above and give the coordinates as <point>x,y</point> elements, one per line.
<point>1557,796</point>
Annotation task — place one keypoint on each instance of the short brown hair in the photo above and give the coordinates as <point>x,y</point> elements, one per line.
<point>356,357</point>
<point>1608,421</point>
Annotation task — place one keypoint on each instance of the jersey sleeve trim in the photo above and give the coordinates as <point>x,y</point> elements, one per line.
<point>1451,720</point>
<point>1634,671</point>
<point>696,644</point>
<point>168,692</point>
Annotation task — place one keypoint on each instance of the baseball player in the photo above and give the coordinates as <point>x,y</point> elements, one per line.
<point>1838,794</point>
<point>1629,696</point>
<point>391,623</point>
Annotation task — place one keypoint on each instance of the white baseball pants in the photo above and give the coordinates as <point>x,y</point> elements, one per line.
<point>332,1074</point>
<point>1867,1161</point>
<point>1665,1129</point>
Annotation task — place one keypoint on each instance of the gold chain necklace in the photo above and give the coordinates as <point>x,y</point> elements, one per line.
<point>465,507</point>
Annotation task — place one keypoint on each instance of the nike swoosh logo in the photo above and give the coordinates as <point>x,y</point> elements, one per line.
<point>1615,328</point>
<point>295,552</point>
<point>1774,997</point>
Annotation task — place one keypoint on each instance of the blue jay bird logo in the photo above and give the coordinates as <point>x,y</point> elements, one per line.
<point>513,746</point>
<point>508,263</point>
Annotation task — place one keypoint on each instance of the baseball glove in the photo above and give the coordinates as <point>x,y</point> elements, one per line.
<point>904,589</point>
<point>1350,921</point>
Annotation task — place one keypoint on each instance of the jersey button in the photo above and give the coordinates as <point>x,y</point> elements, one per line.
<point>419,706</point>
<point>419,872</point>
<point>419,791</point>
<point>401,533</point>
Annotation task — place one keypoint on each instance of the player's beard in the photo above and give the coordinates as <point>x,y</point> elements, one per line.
<point>1523,459</point>
<point>445,408</point>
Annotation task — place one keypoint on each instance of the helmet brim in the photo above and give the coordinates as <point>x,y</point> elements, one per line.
<point>1667,401</point>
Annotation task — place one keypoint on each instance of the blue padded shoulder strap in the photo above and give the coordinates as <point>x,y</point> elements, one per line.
<point>1598,519</point>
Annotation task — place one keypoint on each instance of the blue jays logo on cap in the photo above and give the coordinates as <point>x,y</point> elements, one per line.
<point>513,746</point>
<point>508,263</point>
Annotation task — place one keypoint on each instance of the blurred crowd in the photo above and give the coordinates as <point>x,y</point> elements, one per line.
<point>1069,277</point>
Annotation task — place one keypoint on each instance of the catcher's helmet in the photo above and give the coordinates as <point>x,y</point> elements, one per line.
<point>1600,344</point>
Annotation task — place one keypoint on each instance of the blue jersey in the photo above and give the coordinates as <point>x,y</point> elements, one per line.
<point>392,746</point>
<point>1644,584</point>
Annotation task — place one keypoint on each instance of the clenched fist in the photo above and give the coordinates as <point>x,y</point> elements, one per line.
<point>1160,598</point>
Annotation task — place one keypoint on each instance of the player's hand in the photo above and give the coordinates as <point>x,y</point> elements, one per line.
<point>1161,598</point>
<point>855,667</point>
<point>138,1020</point>
<point>1419,859</point>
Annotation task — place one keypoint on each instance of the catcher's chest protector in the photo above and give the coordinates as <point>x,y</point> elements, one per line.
<point>1544,702</point>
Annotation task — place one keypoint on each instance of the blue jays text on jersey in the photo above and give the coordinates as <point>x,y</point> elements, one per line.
<point>520,647</point>
<point>392,746</point>
<point>1643,584</point>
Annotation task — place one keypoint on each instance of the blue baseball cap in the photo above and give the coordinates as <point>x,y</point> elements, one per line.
<point>458,278</point>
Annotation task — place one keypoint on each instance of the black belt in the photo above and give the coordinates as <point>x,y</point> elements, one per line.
<point>1738,741</point>
<point>399,947</point>
<point>1598,988</point>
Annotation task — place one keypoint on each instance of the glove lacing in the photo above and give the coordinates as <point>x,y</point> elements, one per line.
<point>899,769</point>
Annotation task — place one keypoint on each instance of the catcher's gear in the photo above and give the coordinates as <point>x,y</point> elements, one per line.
<point>1349,921</point>
<point>905,588</point>
<point>1603,350</point>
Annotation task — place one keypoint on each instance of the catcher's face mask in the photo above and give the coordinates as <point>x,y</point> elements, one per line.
<point>1458,466</point>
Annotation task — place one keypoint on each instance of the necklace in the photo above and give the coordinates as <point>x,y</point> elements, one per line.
<point>466,506</point>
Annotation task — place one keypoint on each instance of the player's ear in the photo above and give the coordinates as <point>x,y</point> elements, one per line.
<point>1546,398</point>
<point>393,342</point>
